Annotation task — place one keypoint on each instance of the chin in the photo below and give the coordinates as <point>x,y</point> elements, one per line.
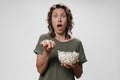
<point>60,33</point>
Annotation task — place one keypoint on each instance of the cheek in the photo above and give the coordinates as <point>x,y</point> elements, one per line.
<point>65,23</point>
<point>53,22</point>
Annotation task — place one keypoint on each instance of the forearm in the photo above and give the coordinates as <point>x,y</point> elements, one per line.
<point>78,70</point>
<point>43,62</point>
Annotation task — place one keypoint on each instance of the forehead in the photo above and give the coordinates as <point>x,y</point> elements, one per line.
<point>58,10</point>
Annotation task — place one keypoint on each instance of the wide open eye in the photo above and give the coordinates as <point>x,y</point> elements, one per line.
<point>55,16</point>
<point>63,16</point>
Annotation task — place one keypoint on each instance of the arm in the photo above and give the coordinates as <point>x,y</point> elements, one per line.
<point>42,62</point>
<point>77,68</point>
<point>42,59</point>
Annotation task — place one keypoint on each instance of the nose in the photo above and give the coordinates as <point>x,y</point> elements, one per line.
<point>59,19</point>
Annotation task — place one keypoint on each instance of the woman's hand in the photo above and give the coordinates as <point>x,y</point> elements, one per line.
<point>48,45</point>
<point>70,65</point>
<point>77,68</point>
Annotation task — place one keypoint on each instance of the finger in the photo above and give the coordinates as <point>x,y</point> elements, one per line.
<point>66,66</point>
<point>49,45</point>
<point>77,60</point>
<point>43,43</point>
<point>52,44</point>
<point>72,65</point>
<point>62,64</point>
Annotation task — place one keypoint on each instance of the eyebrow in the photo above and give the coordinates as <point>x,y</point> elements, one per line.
<point>61,13</point>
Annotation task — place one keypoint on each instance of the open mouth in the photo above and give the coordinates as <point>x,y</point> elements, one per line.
<point>59,25</point>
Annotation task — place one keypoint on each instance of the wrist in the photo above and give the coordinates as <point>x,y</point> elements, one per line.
<point>76,65</point>
<point>46,52</point>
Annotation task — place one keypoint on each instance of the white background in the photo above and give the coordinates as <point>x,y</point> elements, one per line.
<point>97,25</point>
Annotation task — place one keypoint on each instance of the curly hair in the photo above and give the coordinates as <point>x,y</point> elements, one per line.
<point>69,20</point>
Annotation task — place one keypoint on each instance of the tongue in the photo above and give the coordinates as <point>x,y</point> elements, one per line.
<point>59,27</point>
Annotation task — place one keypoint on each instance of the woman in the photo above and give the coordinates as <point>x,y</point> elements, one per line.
<point>59,38</point>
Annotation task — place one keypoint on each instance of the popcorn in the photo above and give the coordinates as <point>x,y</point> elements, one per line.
<point>67,57</point>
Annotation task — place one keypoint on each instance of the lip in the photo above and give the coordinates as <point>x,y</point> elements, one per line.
<point>59,25</point>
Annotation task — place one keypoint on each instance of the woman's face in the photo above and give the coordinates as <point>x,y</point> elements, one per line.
<point>59,21</point>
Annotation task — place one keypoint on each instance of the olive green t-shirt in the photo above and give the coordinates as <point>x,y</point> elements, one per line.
<point>54,70</point>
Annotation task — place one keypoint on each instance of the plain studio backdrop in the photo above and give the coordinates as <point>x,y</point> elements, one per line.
<point>97,25</point>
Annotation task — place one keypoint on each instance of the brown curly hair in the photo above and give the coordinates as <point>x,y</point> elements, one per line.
<point>69,20</point>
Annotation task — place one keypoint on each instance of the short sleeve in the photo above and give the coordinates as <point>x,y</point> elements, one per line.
<point>82,56</point>
<point>39,49</point>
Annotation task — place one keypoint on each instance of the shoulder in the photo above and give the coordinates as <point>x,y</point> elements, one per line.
<point>77,40</point>
<point>78,43</point>
<point>44,36</point>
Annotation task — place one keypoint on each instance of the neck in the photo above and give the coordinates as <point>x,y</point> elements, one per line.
<point>60,37</point>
